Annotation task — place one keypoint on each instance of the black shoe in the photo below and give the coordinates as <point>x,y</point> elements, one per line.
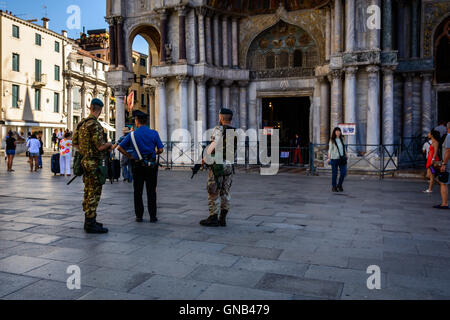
<point>153,219</point>
<point>211,221</point>
<point>139,219</point>
<point>97,223</point>
<point>223,218</point>
<point>340,189</point>
<point>334,189</point>
<point>91,226</point>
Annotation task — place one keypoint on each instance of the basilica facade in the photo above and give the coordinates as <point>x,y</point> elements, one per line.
<point>380,64</point>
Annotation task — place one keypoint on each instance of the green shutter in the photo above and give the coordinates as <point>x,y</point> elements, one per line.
<point>15,31</point>
<point>56,46</point>
<point>38,39</point>
<point>57,73</point>
<point>38,69</point>
<point>16,62</point>
<point>56,102</point>
<point>37,99</point>
<point>15,96</point>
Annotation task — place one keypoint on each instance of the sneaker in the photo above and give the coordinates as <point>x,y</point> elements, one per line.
<point>428,191</point>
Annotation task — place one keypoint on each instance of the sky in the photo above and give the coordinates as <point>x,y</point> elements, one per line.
<point>92,13</point>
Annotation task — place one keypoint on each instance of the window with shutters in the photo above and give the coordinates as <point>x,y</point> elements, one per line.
<point>56,46</point>
<point>15,31</point>
<point>37,99</point>
<point>16,62</point>
<point>37,70</point>
<point>56,102</point>
<point>57,73</point>
<point>38,39</point>
<point>15,96</point>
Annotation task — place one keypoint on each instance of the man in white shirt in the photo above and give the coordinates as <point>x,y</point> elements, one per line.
<point>445,168</point>
<point>60,136</point>
<point>441,128</point>
<point>33,146</point>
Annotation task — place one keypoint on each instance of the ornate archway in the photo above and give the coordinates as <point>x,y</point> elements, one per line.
<point>153,38</point>
<point>283,50</point>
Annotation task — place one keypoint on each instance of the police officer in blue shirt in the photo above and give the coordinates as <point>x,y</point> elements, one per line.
<point>145,147</point>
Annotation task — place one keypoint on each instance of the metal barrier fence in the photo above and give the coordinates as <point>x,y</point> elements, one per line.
<point>364,158</point>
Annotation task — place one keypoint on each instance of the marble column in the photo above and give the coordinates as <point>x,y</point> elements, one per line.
<point>388,107</point>
<point>243,104</point>
<point>407,105</point>
<point>427,118</point>
<point>202,104</point>
<point>336,98</point>
<point>324,110</point>
<point>152,109</point>
<point>83,101</point>
<point>182,34</point>
<point>417,106</point>
<point>201,12</point>
<point>192,114</point>
<point>183,81</point>
<point>415,25</point>
<point>212,103</point>
<point>120,43</point>
<point>234,103</point>
<point>225,48</point>
<point>112,42</point>
<point>235,42</point>
<point>350,26</point>
<point>216,39</point>
<point>107,105</point>
<point>69,87</point>
<point>163,29</point>
<point>373,107</point>
<point>162,109</point>
<point>226,93</point>
<point>350,100</point>
<point>374,34</point>
<point>209,39</point>
<point>328,34</point>
<point>338,25</point>
<point>120,92</point>
<point>387,25</point>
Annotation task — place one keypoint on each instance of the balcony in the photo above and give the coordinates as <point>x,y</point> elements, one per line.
<point>40,81</point>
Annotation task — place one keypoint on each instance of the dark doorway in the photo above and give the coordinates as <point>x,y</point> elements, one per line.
<point>444,106</point>
<point>290,116</point>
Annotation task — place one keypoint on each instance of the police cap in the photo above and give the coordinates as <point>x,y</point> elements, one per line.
<point>139,114</point>
<point>226,111</point>
<point>97,102</point>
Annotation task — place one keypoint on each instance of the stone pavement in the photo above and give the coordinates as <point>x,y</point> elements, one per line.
<point>289,237</point>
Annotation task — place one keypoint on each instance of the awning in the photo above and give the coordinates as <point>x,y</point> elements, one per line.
<point>107,126</point>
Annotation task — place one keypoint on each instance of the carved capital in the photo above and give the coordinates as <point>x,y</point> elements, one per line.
<point>336,74</point>
<point>351,71</point>
<point>408,76</point>
<point>181,9</point>
<point>372,70</point>
<point>426,76</point>
<point>201,11</point>
<point>227,83</point>
<point>69,85</point>
<point>162,13</point>
<point>110,20</point>
<point>201,80</point>
<point>389,70</point>
<point>183,79</point>
<point>119,20</point>
<point>83,89</point>
<point>214,82</point>
<point>161,81</point>
<point>243,84</point>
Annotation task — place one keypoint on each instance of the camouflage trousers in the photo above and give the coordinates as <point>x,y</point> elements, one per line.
<point>218,192</point>
<point>92,188</point>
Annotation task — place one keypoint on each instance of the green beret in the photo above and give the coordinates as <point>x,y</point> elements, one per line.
<point>97,102</point>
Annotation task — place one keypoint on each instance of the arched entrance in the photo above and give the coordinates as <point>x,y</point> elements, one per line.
<point>282,53</point>
<point>144,44</point>
<point>442,74</point>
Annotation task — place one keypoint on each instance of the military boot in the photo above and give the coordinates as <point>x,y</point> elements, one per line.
<point>211,221</point>
<point>91,226</point>
<point>223,218</point>
<point>98,223</point>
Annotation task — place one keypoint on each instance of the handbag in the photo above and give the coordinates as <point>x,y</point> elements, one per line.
<point>342,158</point>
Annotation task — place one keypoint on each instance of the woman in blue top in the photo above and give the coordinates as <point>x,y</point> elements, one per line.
<point>33,146</point>
<point>336,156</point>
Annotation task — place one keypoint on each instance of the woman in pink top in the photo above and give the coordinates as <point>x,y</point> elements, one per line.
<point>65,155</point>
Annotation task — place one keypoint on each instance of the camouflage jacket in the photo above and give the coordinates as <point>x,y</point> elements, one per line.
<point>89,136</point>
<point>219,132</point>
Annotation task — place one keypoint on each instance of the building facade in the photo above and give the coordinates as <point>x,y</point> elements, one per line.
<point>380,64</point>
<point>31,77</point>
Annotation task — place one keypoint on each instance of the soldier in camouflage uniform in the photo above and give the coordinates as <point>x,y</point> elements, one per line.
<point>219,181</point>
<point>90,140</point>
